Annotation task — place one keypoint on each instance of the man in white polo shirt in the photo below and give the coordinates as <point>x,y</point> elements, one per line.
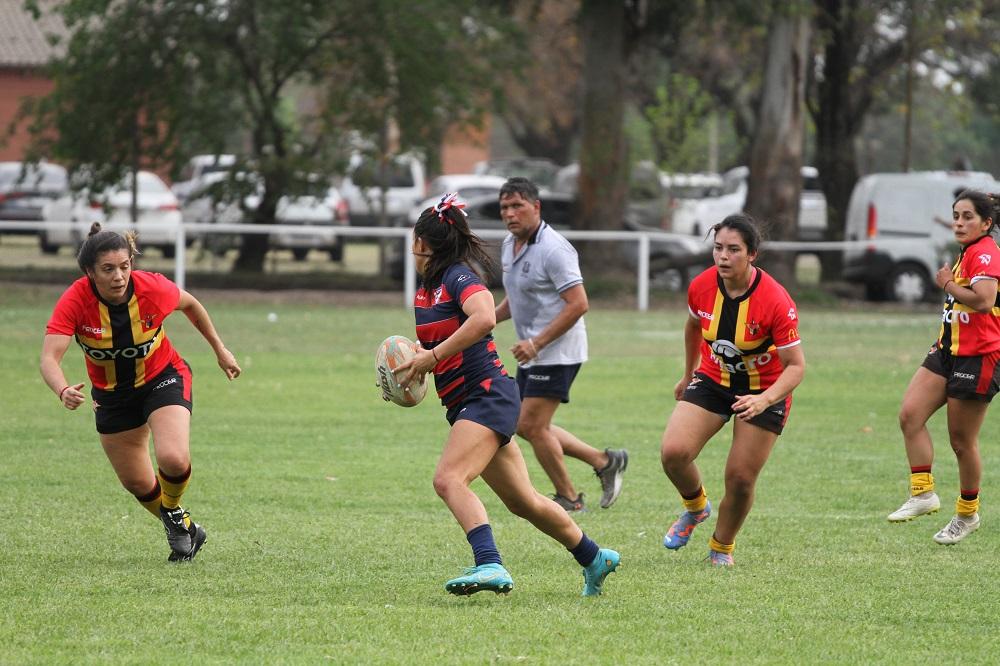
<point>546,299</point>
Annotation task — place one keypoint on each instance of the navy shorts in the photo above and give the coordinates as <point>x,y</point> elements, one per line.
<point>495,405</point>
<point>118,411</point>
<point>717,399</point>
<point>968,377</point>
<point>547,381</point>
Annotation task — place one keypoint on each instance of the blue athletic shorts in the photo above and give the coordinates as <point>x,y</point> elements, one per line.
<point>547,381</point>
<point>968,377</point>
<point>705,393</point>
<point>493,403</point>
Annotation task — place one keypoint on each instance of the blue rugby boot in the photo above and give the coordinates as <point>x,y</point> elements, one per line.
<point>594,573</point>
<point>679,533</point>
<point>492,577</point>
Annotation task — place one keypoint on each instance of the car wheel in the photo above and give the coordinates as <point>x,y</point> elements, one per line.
<point>337,252</point>
<point>300,253</point>
<point>908,283</point>
<point>45,246</point>
<point>169,251</point>
<point>671,279</point>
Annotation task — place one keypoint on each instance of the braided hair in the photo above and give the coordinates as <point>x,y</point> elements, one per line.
<point>446,232</point>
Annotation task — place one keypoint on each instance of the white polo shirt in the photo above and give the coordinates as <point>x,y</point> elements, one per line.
<point>546,266</point>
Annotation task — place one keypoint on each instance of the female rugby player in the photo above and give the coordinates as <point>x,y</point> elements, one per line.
<point>455,317</point>
<point>141,385</point>
<point>742,357</point>
<point>960,370</point>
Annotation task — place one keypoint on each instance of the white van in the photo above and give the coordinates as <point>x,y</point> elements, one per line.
<point>908,218</point>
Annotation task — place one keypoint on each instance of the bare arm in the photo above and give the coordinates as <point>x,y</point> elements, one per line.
<point>576,306</point>
<point>53,349</point>
<point>692,354</point>
<point>482,319</point>
<point>981,296</point>
<point>503,310</point>
<point>198,316</point>
<point>794,362</point>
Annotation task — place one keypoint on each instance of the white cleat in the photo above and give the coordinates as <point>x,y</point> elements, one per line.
<point>959,528</point>
<point>916,506</point>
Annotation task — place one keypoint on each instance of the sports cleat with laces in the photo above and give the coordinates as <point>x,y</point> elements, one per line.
<point>570,505</point>
<point>916,506</point>
<point>594,573</point>
<point>957,529</point>
<point>185,540</point>
<point>492,577</point>
<point>611,476</point>
<point>717,559</point>
<point>679,533</point>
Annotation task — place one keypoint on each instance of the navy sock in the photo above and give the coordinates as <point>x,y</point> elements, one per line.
<point>585,551</point>
<point>484,548</point>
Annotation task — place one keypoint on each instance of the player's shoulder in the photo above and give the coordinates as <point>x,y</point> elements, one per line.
<point>79,291</point>
<point>708,279</point>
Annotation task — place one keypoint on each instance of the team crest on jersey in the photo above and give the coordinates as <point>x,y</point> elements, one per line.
<point>437,295</point>
<point>753,328</point>
<point>525,267</point>
<point>149,322</point>
<point>985,258</point>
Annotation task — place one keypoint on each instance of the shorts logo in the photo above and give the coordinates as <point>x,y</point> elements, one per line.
<point>539,378</point>
<point>165,382</point>
<point>963,375</point>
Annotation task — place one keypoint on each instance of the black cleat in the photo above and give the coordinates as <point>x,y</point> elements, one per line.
<point>184,540</point>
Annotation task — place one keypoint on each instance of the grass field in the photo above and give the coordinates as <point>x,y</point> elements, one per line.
<point>328,544</point>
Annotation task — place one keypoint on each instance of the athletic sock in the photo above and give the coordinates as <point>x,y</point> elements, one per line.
<point>695,503</point>
<point>720,547</point>
<point>484,548</point>
<point>586,551</point>
<point>968,503</point>
<point>151,500</point>
<point>921,480</point>
<point>172,489</point>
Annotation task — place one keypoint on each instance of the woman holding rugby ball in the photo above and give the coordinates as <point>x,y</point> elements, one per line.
<point>455,318</point>
<point>742,357</point>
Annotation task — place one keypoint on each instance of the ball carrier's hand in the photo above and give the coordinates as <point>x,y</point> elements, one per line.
<point>423,361</point>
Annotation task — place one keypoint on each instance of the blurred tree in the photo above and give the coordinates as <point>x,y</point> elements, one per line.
<point>681,110</point>
<point>775,182</point>
<point>187,72</point>
<point>540,104</point>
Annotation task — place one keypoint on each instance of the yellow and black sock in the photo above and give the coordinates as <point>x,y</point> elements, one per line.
<point>921,480</point>
<point>720,547</point>
<point>695,503</point>
<point>968,503</point>
<point>173,488</point>
<point>151,500</point>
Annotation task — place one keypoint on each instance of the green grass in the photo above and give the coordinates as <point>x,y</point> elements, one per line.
<point>327,542</point>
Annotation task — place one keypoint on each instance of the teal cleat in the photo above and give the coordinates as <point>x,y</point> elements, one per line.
<point>594,573</point>
<point>492,577</point>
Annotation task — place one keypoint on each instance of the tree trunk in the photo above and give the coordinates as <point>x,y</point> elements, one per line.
<point>603,168</point>
<point>775,184</point>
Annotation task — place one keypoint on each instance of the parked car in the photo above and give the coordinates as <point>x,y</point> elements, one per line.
<point>696,216</point>
<point>648,201</point>
<point>467,186</point>
<point>673,262</point>
<point>539,170</point>
<point>911,213</point>
<point>199,172</point>
<point>406,186</point>
<point>324,207</point>
<point>25,189</point>
<point>158,214</point>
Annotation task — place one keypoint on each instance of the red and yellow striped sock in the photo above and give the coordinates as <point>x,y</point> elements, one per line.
<point>696,503</point>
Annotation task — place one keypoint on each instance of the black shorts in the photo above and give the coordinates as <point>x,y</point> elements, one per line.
<point>118,411</point>
<point>968,377</point>
<point>547,381</point>
<point>707,394</point>
<point>495,405</point>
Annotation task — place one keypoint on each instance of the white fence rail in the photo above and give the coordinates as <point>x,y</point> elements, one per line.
<point>643,238</point>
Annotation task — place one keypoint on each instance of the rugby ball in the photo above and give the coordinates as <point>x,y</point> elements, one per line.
<point>395,350</point>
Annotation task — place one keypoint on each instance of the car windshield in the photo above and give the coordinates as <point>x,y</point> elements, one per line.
<point>45,177</point>
<point>541,173</point>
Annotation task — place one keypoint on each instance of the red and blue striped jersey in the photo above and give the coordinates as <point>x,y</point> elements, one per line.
<point>125,345</point>
<point>439,314</point>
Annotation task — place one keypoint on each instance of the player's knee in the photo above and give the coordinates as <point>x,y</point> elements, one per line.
<point>672,457</point>
<point>530,429</point>
<point>173,463</point>
<point>445,484</point>
<point>740,485</point>
<point>909,421</point>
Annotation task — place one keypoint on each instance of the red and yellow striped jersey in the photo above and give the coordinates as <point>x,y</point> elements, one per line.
<point>965,332</point>
<point>741,336</point>
<point>125,345</point>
